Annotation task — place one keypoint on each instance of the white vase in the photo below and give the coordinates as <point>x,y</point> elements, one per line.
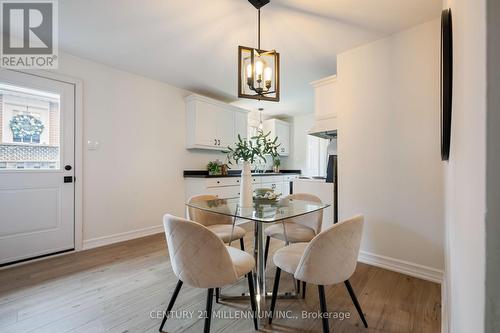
<point>246,192</point>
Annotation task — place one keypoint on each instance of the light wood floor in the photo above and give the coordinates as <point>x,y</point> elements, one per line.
<point>115,288</point>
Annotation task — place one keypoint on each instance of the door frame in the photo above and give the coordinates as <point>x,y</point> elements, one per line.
<point>78,164</point>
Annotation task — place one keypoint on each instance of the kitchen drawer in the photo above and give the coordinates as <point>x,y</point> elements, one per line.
<point>272,179</point>
<point>227,181</point>
<point>224,192</point>
<point>216,182</point>
<point>276,186</point>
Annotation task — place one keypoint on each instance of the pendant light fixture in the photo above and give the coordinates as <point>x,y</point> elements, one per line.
<point>258,70</point>
<point>261,124</point>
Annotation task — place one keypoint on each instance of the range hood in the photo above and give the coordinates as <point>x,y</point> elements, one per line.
<point>325,115</point>
<point>324,128</point>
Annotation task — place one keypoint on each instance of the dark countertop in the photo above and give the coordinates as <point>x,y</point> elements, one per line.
<point>236,173</point>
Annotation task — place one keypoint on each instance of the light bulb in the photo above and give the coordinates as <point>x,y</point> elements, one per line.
<point>249,71</point>
<point>268,74</point>
<point>259,68</point>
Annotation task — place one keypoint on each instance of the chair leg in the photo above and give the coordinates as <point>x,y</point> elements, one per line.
<point>252,300</point>
<point>171,303</point>
<point>355,301</point>
<point>303,289</point>
<point>242,247</point>
<point>275,293</point>
<point>266,251</point>
<point>208,318</point>
<point>217,295</point>
<point>324,311</point>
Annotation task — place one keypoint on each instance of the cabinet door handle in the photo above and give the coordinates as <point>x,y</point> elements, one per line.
<point>219,142</point>
<point>215,140</point>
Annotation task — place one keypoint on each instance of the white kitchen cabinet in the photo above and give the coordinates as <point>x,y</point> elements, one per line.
<point>277,187</point>
<point>280,129</point>
<point>325,105</point>
<point>240,125</point>
<point>211,124</point>
<point>229,187</point>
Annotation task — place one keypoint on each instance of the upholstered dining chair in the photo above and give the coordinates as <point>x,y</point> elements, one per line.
<point>221,225</point>
<point>329,258</point>
<point>200,259</point>
<point>298,229</point>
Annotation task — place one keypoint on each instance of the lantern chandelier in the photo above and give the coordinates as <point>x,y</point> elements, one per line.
<point>258,70</point>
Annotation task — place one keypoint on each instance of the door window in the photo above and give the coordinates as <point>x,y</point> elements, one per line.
<point>29,129</point>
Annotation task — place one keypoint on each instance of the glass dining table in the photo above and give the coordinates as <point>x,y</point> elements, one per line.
<point>263,212</point>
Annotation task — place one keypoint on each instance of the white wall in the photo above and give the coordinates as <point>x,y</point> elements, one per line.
<point>388,143</point>
<point>136,174</point>
<point>492,303</point>
<point>465,172</point>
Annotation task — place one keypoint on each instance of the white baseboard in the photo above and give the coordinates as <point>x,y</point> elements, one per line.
<point>124,236</point>
<point>401,266</point>
<point>392,264</point>
<point>445,307</point>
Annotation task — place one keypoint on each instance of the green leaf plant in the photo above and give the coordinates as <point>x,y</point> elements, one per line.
<point>252,150</point>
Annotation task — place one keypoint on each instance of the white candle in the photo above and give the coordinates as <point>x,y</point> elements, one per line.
<point>268,74</point>
<point>249,71</point>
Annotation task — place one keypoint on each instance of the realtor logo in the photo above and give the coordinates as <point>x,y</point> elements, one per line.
<point>29,34</point>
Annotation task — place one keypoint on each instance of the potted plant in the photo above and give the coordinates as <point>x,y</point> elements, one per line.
<point>276,164</point>
<point>214,168</point>
<point>247,152</point>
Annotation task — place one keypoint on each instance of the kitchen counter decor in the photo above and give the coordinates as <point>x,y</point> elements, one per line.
<point>247,152</point>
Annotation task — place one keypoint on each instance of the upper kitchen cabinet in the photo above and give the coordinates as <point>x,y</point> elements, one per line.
<point>325,107</point>
<point>212,124</point>
<point>240,125</point>
<point>280,129</point>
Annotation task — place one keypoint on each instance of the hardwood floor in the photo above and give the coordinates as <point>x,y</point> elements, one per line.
<point>116,288</point>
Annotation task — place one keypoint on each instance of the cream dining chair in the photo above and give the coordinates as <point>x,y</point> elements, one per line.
<point>329,258</point>
<point>221,225</point>
<point>298,229</point>
<point>200,259</point>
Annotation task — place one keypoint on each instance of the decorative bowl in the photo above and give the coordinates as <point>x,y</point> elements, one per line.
<point>262,191</point>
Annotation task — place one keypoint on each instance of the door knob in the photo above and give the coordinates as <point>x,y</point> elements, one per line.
<point>67,167</point>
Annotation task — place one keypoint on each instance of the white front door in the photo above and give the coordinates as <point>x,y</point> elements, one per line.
<point>36,166</point>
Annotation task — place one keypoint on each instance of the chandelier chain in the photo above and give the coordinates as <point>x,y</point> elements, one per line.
<point>258,37</point>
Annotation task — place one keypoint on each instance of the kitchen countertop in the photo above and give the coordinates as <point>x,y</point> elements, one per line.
<point>236,173</point>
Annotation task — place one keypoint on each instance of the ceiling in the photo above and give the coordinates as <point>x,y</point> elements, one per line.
<point>192,44</point>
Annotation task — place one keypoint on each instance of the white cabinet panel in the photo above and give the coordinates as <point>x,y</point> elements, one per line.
<point>325,97</point>
<point>229,187</point>
<point>221,181</point>
<point>224,192</point>
<point>280,129</point>
<point>206,125</point>
<point>240,125</point>
<point>225,128</point>
<point>283,134</point>
<point>211,124</point>
<point>277,186</point>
